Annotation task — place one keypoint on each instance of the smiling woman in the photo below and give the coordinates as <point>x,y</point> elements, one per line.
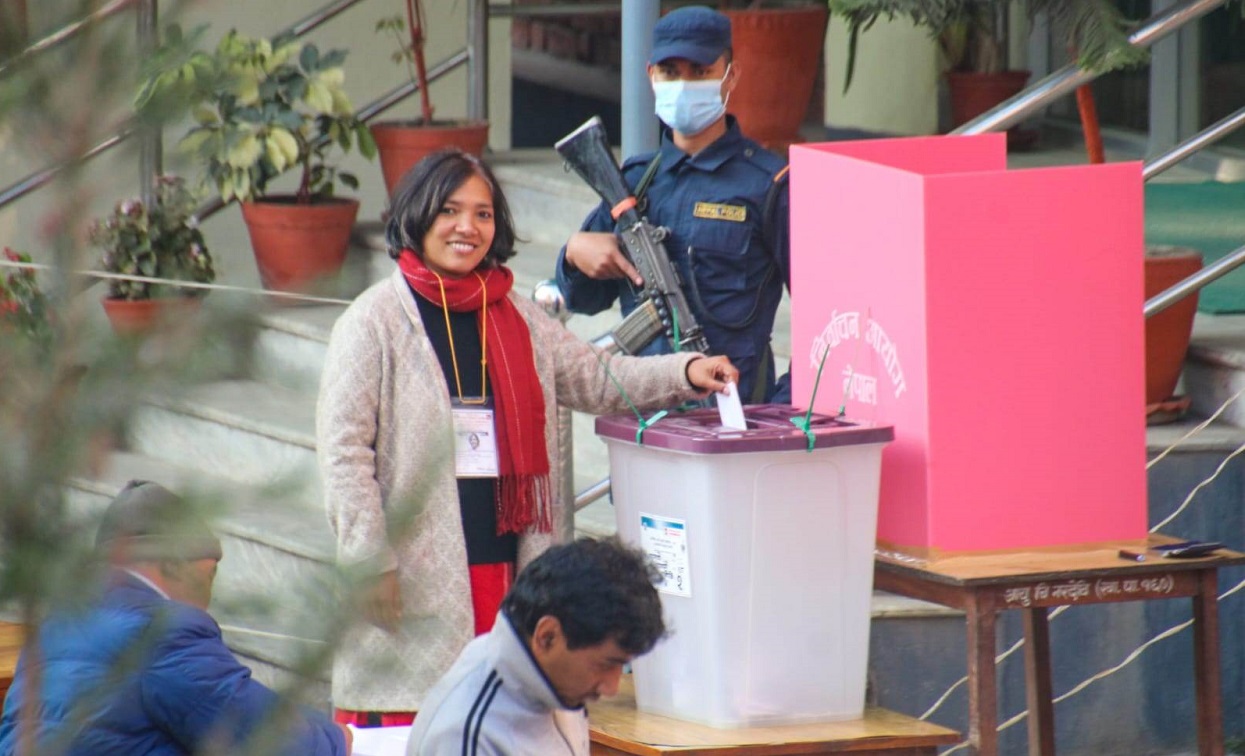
<point>436,433</point>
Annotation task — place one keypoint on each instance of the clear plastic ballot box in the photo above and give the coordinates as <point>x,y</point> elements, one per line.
<point>765,547</point>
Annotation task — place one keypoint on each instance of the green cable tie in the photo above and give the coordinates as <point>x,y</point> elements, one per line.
<point>678,337</point>
<point>805,423</point>
<point>644,424</point>
<point>802,423</point>
<point>617,385</point>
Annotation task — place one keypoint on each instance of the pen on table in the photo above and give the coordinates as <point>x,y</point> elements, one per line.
<point>1135,556</point>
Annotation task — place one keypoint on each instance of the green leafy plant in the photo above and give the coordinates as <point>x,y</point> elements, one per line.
<point>409,34</point>
<point>261,107</point>
<point>158,241</point>
<point>23,305</point>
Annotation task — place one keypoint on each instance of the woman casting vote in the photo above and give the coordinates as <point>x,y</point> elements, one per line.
<point>436,430</point>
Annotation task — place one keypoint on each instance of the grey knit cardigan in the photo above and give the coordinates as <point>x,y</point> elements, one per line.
<point>385,445</point>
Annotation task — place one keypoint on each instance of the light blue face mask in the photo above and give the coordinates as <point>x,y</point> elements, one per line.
<point>689,107</point>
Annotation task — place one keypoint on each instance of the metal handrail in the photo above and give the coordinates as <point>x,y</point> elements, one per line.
<point>1224,265</point>
<point>557,9</point>
<point>592,493</point>
<point>1067,79</point>
<point>66,32</point>
<point>42,178</point>
<point>1168,297</point>
<point>1194,144</point>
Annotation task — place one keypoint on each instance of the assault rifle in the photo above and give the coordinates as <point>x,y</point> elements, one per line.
<point>663,306</point>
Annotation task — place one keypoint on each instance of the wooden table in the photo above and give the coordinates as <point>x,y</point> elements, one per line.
<point>11,638</point>
<point>617,729</point>
<point>1031,580</point>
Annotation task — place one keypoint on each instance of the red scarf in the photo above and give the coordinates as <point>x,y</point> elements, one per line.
<point>523,499</point>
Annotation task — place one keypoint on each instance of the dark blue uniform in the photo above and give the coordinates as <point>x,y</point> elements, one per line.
<point>733,259</point>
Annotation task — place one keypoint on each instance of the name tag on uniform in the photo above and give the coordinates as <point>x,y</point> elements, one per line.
<point>475,442</point>
<point>737,213</point>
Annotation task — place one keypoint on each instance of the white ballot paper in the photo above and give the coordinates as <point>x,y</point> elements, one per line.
<point>731,409</point>
<point>380,741</point>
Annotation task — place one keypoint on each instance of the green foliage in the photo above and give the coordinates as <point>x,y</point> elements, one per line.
<point>160,241</point>
<point>260,107</point>
<point>395,26</point>
<point>965,29</point>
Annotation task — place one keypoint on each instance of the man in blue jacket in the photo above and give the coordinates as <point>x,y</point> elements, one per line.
<point>143,670</point>
<point>722,197</point>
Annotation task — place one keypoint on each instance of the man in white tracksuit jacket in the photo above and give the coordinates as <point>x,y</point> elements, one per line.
<point>574,617</point>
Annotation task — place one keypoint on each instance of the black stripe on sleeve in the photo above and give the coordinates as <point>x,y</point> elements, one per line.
<point>475,736</point>
<point>482,699</point>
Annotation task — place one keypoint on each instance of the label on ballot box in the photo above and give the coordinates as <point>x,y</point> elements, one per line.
<point>665,542</point>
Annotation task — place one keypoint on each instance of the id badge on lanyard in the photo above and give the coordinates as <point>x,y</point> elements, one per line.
<point>475,440</point>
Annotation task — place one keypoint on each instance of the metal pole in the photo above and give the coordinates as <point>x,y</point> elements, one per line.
<point>556,9</point>
<point>1215,270</point>
<point>639,131</point>
<point>66,32</point>
<point>1067,79</point>
<point>1194,144</point>
<point>477,60</point>
<point>150,140</point>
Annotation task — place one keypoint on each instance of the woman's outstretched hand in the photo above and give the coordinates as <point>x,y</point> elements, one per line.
<point>711,374</point>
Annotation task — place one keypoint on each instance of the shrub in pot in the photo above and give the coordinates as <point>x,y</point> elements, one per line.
<point>262,107</point>
<point>157,240</point>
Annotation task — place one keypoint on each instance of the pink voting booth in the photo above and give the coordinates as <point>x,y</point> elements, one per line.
<point>994,317</point>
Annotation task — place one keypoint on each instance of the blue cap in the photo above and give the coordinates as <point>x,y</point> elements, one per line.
<point>694,32</point>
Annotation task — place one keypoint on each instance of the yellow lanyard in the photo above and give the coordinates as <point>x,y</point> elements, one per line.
<point>449,332</point>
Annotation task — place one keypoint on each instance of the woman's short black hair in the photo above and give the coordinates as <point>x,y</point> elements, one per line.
<point>598,590</point>
<point>425,189</point>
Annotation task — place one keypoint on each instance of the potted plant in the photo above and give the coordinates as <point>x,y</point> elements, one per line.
<point>263,107</point>
<point>403,143</point>
<point>162,240</point>
<point>24,311</point>
<point>777,44</point>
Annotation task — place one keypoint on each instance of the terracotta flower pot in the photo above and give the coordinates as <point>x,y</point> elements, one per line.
<point>138,317</point>
<point>299,246</point>
<point>777,50</point>
<point>975,93</point>
<point>1167,333</point>
<point>402,144</point>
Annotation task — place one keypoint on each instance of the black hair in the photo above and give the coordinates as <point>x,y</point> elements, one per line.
<point>597,589</point>
<point>425,189</point>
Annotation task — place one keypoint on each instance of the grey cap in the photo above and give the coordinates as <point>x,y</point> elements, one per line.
<point>148,522</point>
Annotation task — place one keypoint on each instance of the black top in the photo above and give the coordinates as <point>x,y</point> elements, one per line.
<point>477,496</point>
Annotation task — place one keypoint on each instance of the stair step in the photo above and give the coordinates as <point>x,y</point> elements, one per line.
<point>291,344</point>
<point>548,203</point>
<point>254,433</point>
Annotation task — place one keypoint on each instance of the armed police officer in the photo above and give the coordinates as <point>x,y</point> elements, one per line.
<point>720,194</point>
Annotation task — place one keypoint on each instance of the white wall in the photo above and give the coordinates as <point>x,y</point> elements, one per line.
<point>895,85</point>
